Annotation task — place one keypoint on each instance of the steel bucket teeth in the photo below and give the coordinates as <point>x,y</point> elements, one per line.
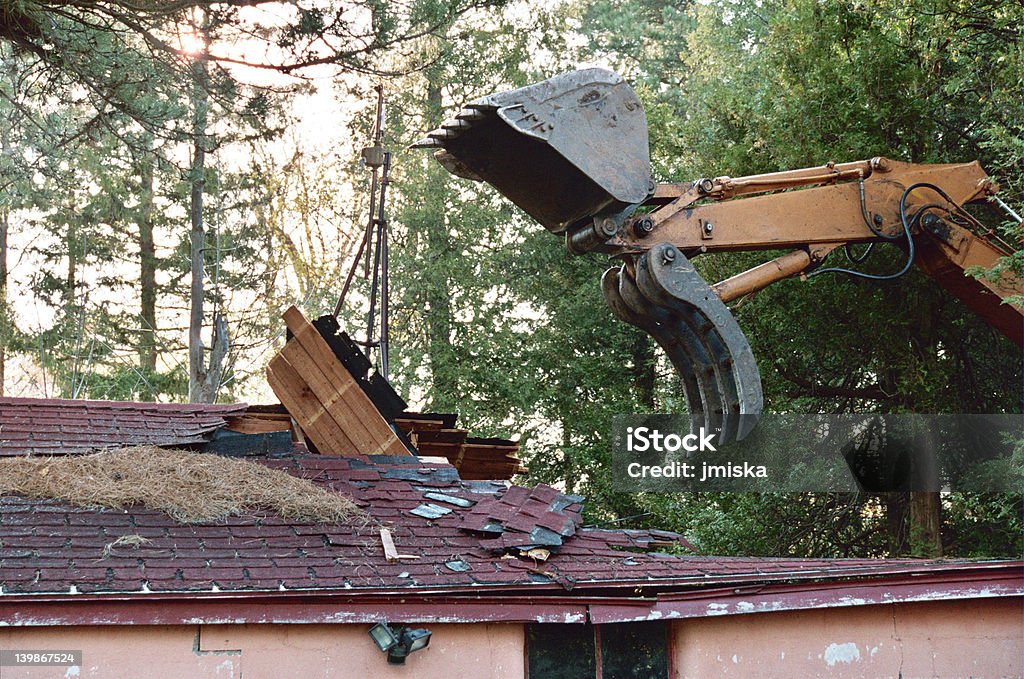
<point>563,150</point>
<point>669,300</point>
<point>428,143</point>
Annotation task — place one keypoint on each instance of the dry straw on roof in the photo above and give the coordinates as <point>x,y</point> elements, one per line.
<point>189,487</point>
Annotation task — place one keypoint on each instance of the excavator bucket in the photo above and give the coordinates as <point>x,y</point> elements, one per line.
<point>573,148</point>
<point>563,150</point>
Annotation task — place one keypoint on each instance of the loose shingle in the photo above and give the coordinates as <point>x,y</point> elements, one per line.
<point>430,511</point>
<point>49,547</point>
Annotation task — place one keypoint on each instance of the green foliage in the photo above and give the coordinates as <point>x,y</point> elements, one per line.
<point>491,316</point>
<point>763,86</point>
<point>736,88</point>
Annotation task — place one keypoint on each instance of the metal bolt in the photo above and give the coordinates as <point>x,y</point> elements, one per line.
<point>708,228</point>
<point>643,226</point>
<point>669,255</point>
<point>877,218</point>
<point>607,226</point>
<point>705,186</point>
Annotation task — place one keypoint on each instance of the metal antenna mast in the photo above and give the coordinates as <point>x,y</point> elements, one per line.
<point>375,240</point>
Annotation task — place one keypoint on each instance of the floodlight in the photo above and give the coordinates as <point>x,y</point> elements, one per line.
<point>398,642</point>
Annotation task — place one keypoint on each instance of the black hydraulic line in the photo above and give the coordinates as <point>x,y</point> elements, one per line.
<point>867,218</point>
<point>857,259</point>
<point>906,234</point>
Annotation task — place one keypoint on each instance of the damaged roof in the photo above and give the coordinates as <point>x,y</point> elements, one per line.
<point>449,534</point>
<point>34,426</point>
<point>461,533</point>
<point>435,547</point>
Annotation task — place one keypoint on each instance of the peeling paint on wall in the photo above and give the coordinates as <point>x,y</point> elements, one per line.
<point>842,653</point>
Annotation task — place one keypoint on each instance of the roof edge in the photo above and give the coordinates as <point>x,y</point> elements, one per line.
<point>542,604</point>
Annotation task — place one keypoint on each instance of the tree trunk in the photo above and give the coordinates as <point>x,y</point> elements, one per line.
<point>203,378</point>
<point>926,524</point>
<point>439,308</point>
<point>896,521</point>
<point>643,370</point>
<point>147,274</point>
<point>925,504</point>
<point>5,334</point>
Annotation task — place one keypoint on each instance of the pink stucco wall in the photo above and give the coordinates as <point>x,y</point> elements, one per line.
<point>979,638</point>
<point>482,651</point>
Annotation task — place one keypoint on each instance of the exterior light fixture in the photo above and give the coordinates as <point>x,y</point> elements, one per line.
<point>399,641</point>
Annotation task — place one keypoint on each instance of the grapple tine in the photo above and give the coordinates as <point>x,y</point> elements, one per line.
<point>695,328</point>
<point>471,114</point>
<point>682,347</point>
<point>610,285</point>
<point>669,280</point>
<point>427,143</point>
<point>678,340</point>
<point>442,135</point>
<point>457,125</point>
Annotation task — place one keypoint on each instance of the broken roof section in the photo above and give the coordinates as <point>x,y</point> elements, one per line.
<point>30,426</point>
<point>443,541</point>
<point>59,562</point>
<point>49,546</point>
<point>331,399</point>
<point>344,407</point>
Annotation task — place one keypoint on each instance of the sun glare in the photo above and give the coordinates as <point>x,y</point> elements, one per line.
<point>190,42</point>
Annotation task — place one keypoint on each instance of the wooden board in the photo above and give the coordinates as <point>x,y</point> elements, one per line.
<point>258,423</point>
<point>475,458</point>
<point>324,398</point>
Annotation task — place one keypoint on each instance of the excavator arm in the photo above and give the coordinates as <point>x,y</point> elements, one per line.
<point>572,151</point>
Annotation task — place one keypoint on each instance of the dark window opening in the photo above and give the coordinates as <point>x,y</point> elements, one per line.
<point>630,650</point>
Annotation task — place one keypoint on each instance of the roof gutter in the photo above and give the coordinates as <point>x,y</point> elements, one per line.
<point>543,603</point>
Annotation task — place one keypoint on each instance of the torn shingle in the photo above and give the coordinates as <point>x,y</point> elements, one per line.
<point>450,499</point>
<point>535,517</point>
<point>430,511</point>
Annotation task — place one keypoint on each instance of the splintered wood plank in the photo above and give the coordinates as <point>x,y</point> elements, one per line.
<point>413,426</point>
<point>390,552</point>
<point>477,461</point>
<point>256,424</point>
<point>367,415</point>
<point>351,408</point>
<point>343,406</point>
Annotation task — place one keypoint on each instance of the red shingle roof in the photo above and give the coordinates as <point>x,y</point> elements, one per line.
<point>30,426</point>
<point>466,537</point>
<point>50,547</point>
